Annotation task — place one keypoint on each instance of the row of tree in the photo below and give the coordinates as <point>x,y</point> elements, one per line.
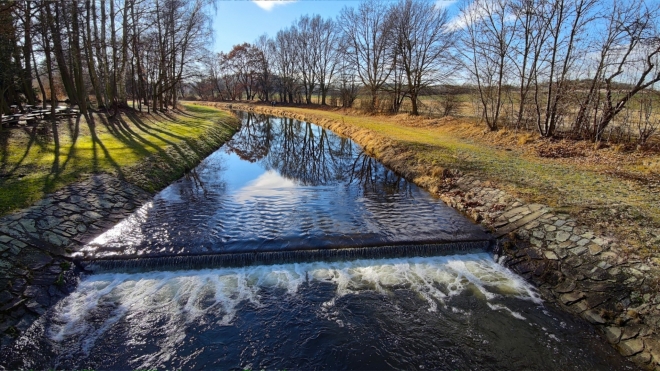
<point>398,49</point>
<point>108,50</point>
<point>554,62</point>
<point>540,64</point>
<point>543,64</point>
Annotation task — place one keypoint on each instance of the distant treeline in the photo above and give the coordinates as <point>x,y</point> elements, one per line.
<point>572,65</point>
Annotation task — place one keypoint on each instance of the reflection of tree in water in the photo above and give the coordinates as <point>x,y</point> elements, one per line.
<point>309,154</point>
<point>252,142</point>
<point>375,177</point>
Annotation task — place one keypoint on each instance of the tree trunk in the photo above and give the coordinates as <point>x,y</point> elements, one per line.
<point>27,51</point>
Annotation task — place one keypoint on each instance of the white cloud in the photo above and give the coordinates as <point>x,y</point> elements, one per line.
<point>268,5</point>
<point>445,3</point>
<point>475,12</point>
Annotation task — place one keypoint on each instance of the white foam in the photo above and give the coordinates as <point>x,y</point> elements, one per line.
<point>186,296</point>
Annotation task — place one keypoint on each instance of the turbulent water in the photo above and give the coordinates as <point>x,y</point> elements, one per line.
<point>284,188</point>
<point>461,312</point>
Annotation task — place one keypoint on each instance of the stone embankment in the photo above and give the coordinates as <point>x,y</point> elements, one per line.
<point>582,272</point>
<point>35,243</point>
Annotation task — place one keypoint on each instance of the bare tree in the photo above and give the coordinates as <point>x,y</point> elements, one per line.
<point>626,66</point>
<point>423,43</point>
<point>368,32</point>
<point>486,42</point>
<point>326,38</point>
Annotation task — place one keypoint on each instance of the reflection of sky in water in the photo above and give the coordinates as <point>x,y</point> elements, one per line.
<point>268,184</point>
<point>284,184</point>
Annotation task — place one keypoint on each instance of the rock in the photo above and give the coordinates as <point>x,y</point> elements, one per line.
<point>599,241</point>
<point>572,297</point>
<point>536,242</point>
<point>551,255</point>
<point>69,207</point>
<point>613,334</point>
<point>595,299</point>
<point>594,249</point>
<point>562,236</point>
<point>49,222</point>
<point>538,234</point>
<point>92,215</point>
<point>55,239</point>
<point>5,296</point>
<point>36,259</point>
<point>28,225</point>
<point>631,347</point>
<point>559,223</point>
<point>593,317</point>
<point>630,331</point>
<point>642,358</point>
<point>583,242</point>
<point>564,287</point>
<point>653,346</point>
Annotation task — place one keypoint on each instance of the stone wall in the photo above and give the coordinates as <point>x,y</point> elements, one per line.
<point>35,245</point>
<point>582,272</point>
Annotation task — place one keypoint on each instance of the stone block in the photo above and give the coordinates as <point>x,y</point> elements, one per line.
<point>593,317</point>
<point>631,347</point>
<point>562,236</point>
<point>92,215</point>
<point>582,242</point>
<point>550,255</point>
<point>538,234</point>
<point>28,225</point>
<point>594,249</point>
<point>564,287</point>
<point>612,334</point>
<point>643,358</point>
<point>572,297</point>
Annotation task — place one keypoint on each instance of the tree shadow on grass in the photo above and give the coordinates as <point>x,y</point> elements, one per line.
<point>156,133</point>
<point>56,168</point>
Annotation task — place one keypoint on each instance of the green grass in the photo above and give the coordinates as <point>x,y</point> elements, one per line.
<point>35,161</point>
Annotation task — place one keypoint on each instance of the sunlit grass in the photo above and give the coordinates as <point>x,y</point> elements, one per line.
<point>37,161</point>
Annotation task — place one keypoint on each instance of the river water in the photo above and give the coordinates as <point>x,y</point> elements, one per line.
<point>285,186</point>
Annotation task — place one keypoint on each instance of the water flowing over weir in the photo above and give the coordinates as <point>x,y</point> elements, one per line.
<point>283,191</point>
<point>289,248</point>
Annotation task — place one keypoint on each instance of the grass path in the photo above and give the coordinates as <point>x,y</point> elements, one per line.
<point>149,150</point>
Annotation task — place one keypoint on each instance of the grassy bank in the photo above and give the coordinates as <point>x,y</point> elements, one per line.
<point>616,193</point>
<point>149,150</point>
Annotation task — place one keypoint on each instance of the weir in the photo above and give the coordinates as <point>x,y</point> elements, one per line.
<point>189,262</point>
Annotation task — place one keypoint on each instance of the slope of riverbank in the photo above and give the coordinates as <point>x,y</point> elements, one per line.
<point>100,170</point>
<point>581,227</point>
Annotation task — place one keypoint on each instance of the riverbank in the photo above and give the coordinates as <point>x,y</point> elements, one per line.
<point>584,235</point>
<point>87,175</point>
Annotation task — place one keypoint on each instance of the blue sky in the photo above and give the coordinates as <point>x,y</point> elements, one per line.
<point>239,21</point>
